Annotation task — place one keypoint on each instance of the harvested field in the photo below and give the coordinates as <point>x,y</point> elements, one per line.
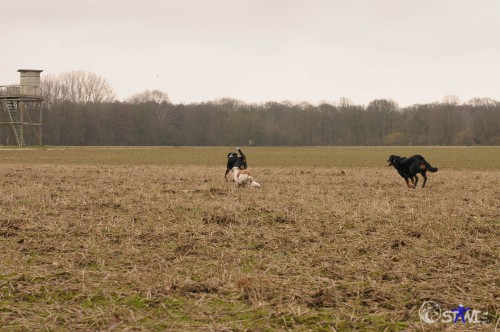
<point>154,239</point>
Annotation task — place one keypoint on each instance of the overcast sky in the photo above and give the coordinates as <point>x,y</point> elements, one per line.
<point>411,51</point>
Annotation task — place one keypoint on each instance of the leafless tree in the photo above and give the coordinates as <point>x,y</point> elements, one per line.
<point>345,103</point>
<point>159,100</point>
<point>451,100</point>
<point>80,114</point>
<point>76,86</point>
<point>482,102</point>
<point>147,96</point>
<point>382,112</point>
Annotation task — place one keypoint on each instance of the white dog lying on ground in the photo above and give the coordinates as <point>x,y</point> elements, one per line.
<point>243,176</point>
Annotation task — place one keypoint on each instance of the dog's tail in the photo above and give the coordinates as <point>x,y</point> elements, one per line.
<point>241,152</point>
<point>428,166</point>
<point>243,158</point>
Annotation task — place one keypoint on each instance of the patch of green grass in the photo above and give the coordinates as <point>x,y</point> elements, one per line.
<point>371,322</point>
<point>473,158</point>
<point>95,300</point>
<point>318,320</point>
<point>248,264</point>
<point>241,316</point>
<point>218,303</point>
<point>197,278</point>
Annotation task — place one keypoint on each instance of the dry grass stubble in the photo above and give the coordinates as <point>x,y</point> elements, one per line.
<point>177,248</point>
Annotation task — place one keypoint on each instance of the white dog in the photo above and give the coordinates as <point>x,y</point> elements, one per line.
<point>243,176</point>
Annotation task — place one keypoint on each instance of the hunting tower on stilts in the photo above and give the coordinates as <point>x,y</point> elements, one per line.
<point>21,108</point>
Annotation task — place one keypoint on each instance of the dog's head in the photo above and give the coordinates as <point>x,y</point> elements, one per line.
<point>393,160</point>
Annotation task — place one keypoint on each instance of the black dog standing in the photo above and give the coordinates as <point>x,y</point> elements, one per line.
<point>408,168</point>
<point>233,160</point>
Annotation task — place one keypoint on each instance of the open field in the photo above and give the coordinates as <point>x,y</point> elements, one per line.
<point>457,158</point>
<point>154,239</point>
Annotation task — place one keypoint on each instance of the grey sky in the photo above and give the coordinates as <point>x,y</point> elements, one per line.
<point>414,51</point>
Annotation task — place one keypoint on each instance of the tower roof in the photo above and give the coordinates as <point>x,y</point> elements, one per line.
<point>33,70</point>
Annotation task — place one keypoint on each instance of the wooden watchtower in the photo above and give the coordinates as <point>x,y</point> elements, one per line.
<point>21,108</point>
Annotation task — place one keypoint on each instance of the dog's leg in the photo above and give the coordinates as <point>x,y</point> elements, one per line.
<point>425,178</point>
<point>408,182</point>
<point>416,181</point>
<point>235,176</point>
<point>254,183</point>
<point>225,175</point>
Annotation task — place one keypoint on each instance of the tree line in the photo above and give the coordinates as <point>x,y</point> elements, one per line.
<point>91,116</point>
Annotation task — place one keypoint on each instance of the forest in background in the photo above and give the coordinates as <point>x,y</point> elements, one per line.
<point>80,109</point>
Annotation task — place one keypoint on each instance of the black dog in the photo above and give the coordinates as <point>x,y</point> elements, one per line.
<point>233,160</point>
<point>408,168</point>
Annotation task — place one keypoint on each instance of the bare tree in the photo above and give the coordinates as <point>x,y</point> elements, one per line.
<point>77,87</point>
<point>154,96</point>
<point>445,121</point>
<point>158,101</point>
<point>345,103</point>
<point>451,100</point>
<point>482,102</point>
<point>382,113</point>
<point>417,124</point>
